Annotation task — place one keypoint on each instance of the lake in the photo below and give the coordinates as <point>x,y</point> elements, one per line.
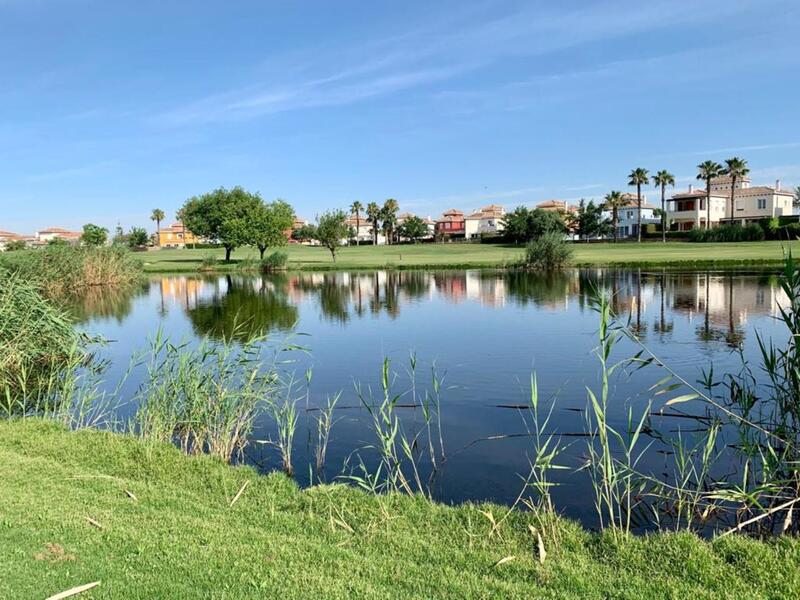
<point>486,332</point>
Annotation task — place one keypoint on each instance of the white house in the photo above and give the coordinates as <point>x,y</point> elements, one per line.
<point>487,220</point>
<point>628,217</point>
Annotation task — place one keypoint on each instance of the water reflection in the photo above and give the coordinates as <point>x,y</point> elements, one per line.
<point>718,304</point>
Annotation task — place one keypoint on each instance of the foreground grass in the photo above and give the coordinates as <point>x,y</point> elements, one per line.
<point>487,255</point>
<point>148,522</point>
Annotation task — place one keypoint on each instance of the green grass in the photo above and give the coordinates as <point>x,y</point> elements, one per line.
<point>179,537</point>
<point>487,255</point>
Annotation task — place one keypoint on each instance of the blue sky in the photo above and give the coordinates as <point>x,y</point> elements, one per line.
<point>110,109</point>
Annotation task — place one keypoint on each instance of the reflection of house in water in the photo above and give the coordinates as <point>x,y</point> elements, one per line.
<point>488,289</point>
<point>452,286</point>
<point>185,291</point>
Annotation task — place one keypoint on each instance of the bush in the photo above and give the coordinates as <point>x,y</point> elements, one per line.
<point>274,262</point>
<point>548,252</point>
<point>58,270</point>
<point>791,231</point>
<point>728,233</point>
<point>208,263</point>
<point>15,245</point>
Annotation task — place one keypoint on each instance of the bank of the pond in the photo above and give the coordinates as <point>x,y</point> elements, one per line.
<point>148,522</point>
<point>468,256</point>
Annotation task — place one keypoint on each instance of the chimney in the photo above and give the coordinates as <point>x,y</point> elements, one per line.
<point>777,185</point>
<point>691,188</point>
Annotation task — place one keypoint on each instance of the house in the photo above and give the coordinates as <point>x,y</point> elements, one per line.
<point>559,206</point>
<point>687,210</point>
<point>363,230</point>
<point>487,220</point>
<point>176,236</point>
<point>52,233</point>
<point>450,224</point>
<point>8,236</point>
<point>628,217</point>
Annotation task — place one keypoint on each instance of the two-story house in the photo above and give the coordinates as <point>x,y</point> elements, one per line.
<point>176,236</point>
<point>487,220</point>
<point>628,215</point>
<point>451,224</point>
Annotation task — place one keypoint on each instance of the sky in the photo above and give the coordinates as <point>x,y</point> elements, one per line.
<point>111,109</point>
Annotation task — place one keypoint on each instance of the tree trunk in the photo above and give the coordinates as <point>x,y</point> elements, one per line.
<point>228,253</point>
<point>663,215</point>
<point>358,230</point>
<point>733,195</point>
<point>639,212</point>
<point>261,250</point>
<point>614,223</point>
<point>333,254</point>
<point>158,237</point>
<point>708,203</point>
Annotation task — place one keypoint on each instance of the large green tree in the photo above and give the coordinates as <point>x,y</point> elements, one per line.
<point>94,235</point>
<point>374,215</point>
<point>225,216</point>
<point>413,228</point>
<point>270,224</point>
<point>356,208</point>
<point>137,237</point>
<point>638,177</point>
<point>331,230</point>
<point>389,217</point>
<point>589,220</point>
<point>707,171</point>
<point>522,225</point>
<point>735,168</point>
<point>661,180</point>
<point>614,201</point>
<point>796,200</point>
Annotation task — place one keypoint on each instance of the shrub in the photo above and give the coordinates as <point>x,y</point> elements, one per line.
<point>548,252</point>
<point>15,245</point>
<point>274,262</point>
<point>208,263</point>
<point>58,270</point>
<point>728,233</point>
<point>791,231</point>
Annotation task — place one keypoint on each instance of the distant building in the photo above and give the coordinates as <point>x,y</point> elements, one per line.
<point>487,220</point>
<point>7,237</point>
<point>429,223</point>
<point>628,217</point>
<point>450,224</point>
<point>750,204</point>
<point>52,233</point>
<point>176,236</point>
<point>363,230</point>
<point>560,206</point>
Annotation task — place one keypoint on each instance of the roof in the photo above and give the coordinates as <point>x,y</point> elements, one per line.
<point>631,202</point>
<point>559,204</point>
<point>694,194</point>
<point>762,189</point>
<point>8,235</point>
<point>176,227</point>
<point>493,211</point>
<point>59,230</point>
<point>451,215</point>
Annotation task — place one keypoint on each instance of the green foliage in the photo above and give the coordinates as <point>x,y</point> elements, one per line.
<point>94,235</point>
<point>589,221</point>
<point>274,262</point>
<point>36,338</point>
<point>331,230</point>
<point>15,245</point>
<point>61,270</point>
<point>208,262</point>
<point>270,224</point>
<point>548,252</point>
<point>374,216</point>
<point>413,228</point>
<point>388,215</point>
<point>522,224</point>
<point>728,233</point>
<point>224,215</point>
<point>137,237</point>
<point>304,233</point>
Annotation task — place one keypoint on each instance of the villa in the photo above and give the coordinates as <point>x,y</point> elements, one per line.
<point>559,206</point>
<point>687,210</point>
<point>52,233</point>
<point>487,220</point>
<point>363,230</point>
<point>176,236</point>
<point>429,223</point>
<point>451,224</point>
<point>628,217</point>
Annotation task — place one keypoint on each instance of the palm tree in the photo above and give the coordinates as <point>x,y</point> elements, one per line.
<point>707,171</point>
<point>374,214</point>
<point>157,215</point>
<point>614,201</point>
<point>389,210</point>
<point>356,208</point>
<point>638,177</point>
<point>662,179</point>
<point>735,168</point>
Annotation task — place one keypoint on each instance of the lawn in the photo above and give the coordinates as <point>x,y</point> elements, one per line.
<point>148,522</point>
<point>487,255</point>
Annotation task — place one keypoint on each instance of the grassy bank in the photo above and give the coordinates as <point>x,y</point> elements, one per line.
<point>486,255</point>
<point>147,521</point>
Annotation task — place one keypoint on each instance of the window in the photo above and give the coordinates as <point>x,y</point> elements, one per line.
<point>762,203</point>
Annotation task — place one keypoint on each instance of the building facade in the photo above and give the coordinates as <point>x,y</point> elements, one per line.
<point>176,236</point>
<point>485,221</point>
<point>628,216</point>
<point>451,224</point>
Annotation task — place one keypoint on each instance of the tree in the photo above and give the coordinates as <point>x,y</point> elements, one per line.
<point>157,215</point>
<point>522,225</point>
<point>614,201</point>
<point>119,236</point>
<point>137,237</point>
<point>16,245</point>
<point>356,208</point>
<point>735,168</point>
<point>413,228</point>
<point>389,217</point>
<point>331,230</point>
<point>662,179</point>
<point>638,177</point>
<point>589,220</point>
<point>226,216</point>
<point>707,171</point>
<point>270,224</point>
<point>516,224</point>
<point>94,235</point>
<point>374,214</point>
<point>796,201</point>
<point>304,232</point>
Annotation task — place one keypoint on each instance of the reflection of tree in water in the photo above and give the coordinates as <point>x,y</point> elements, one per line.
<point>542,289</point>
<point>334,298</point>
<point>733,335</point>
<point>248,308</point>
<point>663,326</point>
<point>104,302</point>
